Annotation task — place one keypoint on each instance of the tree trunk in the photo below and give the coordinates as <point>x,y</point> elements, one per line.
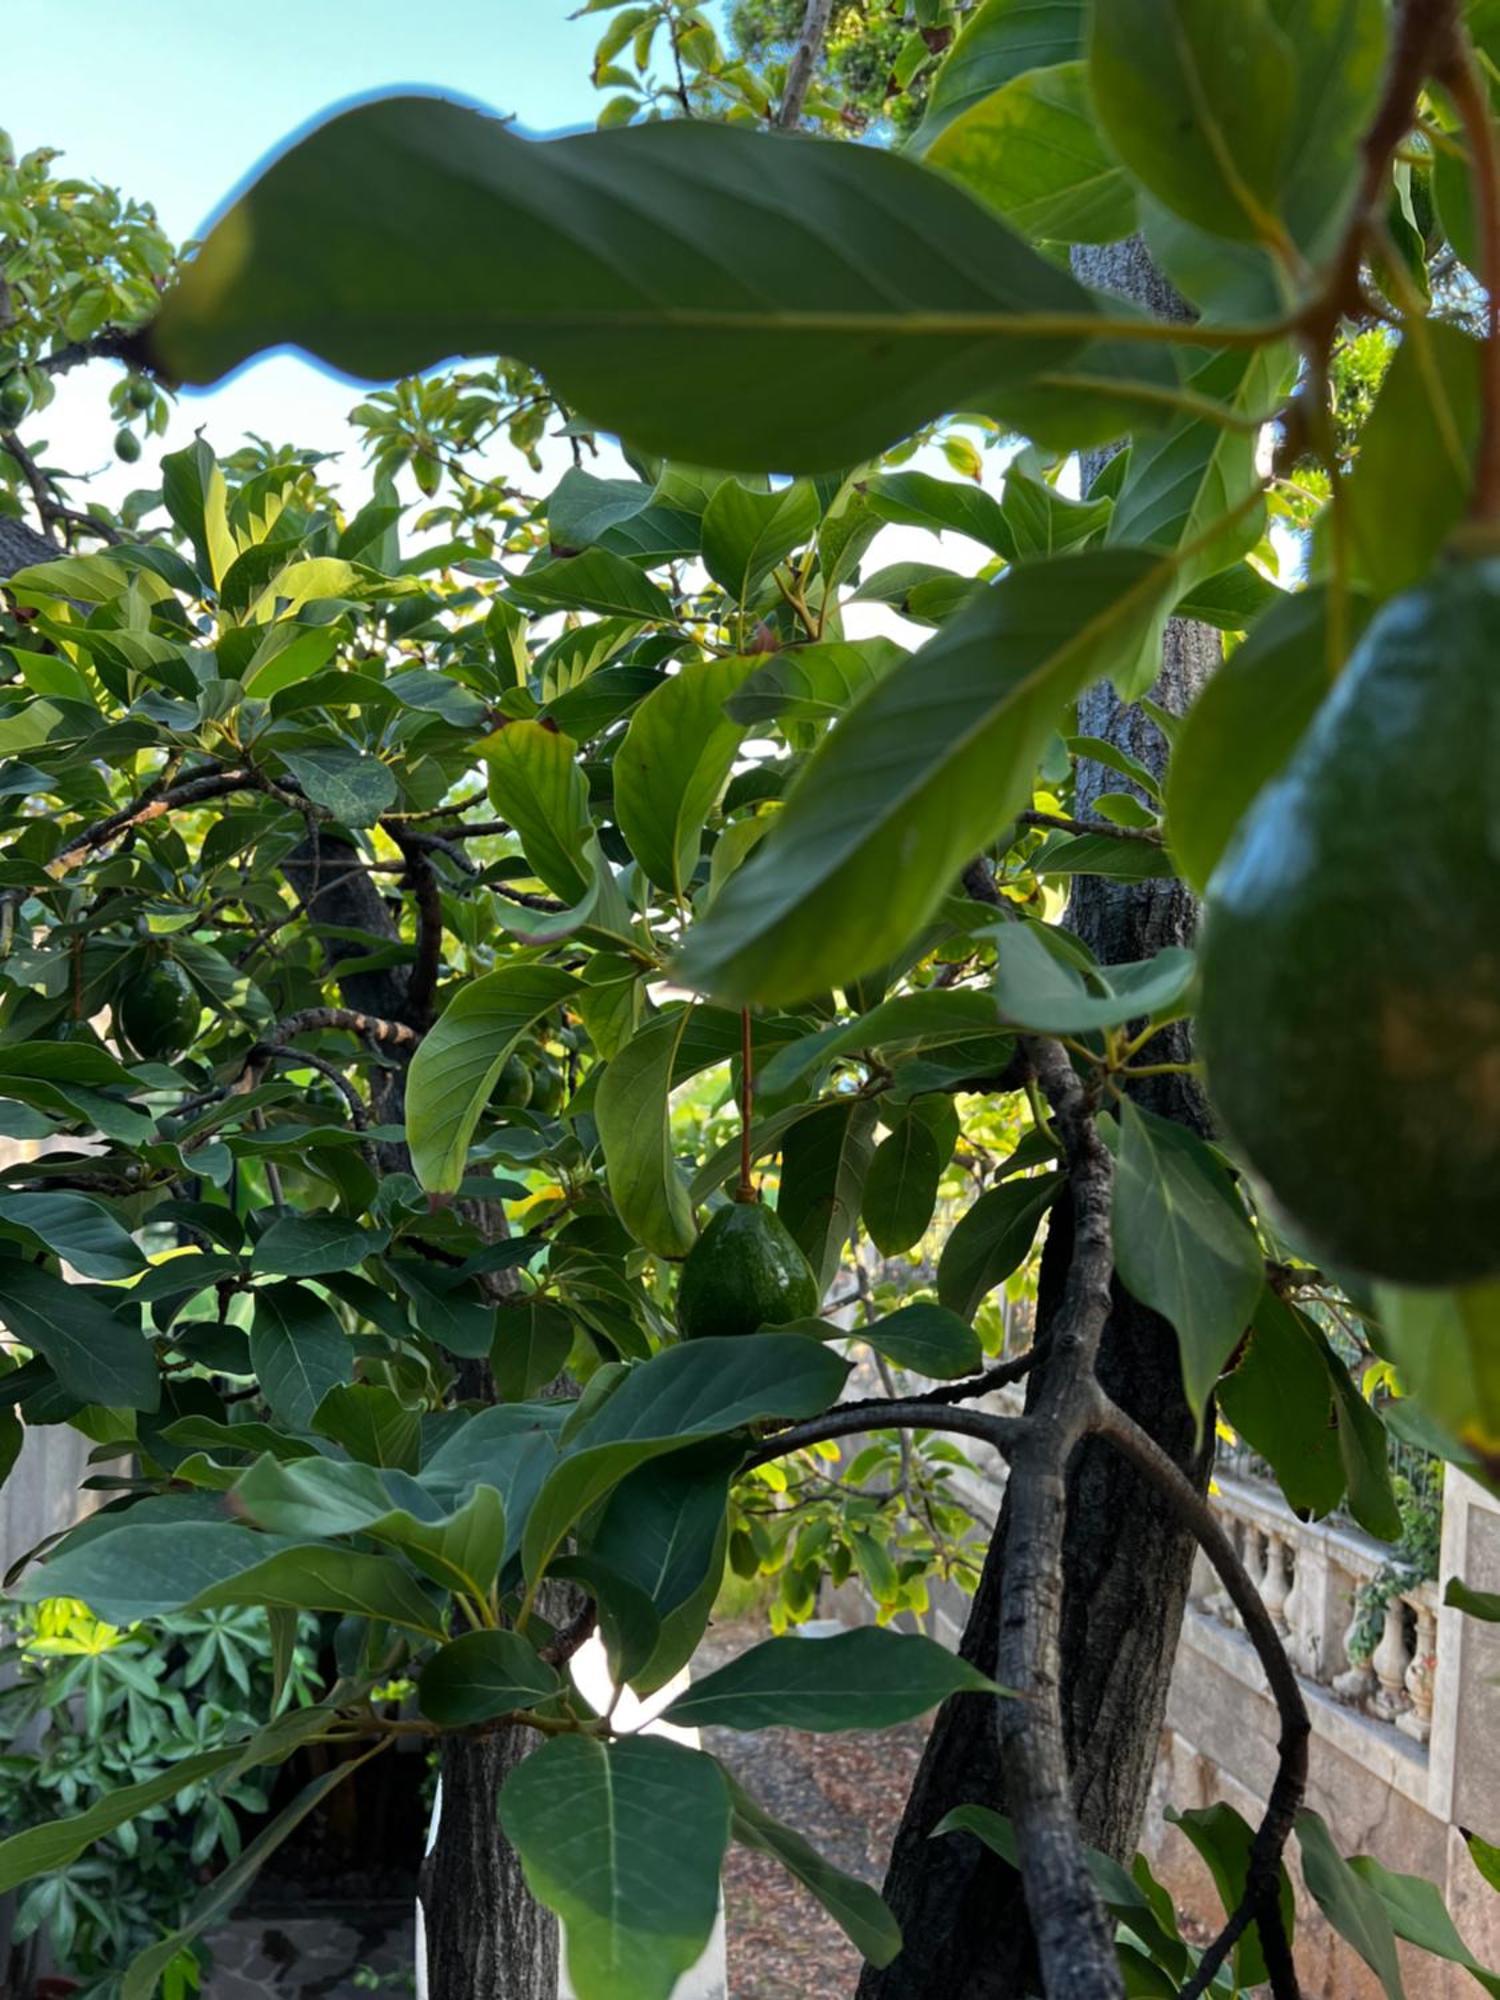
<point>1127,1559</point>
<point>487,1936</point>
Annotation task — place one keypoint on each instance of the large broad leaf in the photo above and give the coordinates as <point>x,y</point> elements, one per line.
<point>597,581</point>
<point>918,778</point>
<point>1280,1399</point>
<point>80,1230</point>
<point>97,1356</point>
<point>455,1069</point>
<point>920,500</point>
<point>1037,988</point>
<point>1418,1914</point>
<point>536,783</point>
<point>314,1246</point>
<point>812,683</point>
<point>697,1390</point>
<point>671,767</point>
<point>992,1239</point>
<point>1183,1244</point>
<point>624,1841</point>
<point>1447,1346</point>
<point>746,534</point>
<point>1245,724</point>
<point>1034,152</point>
<point>1003,39</point>
<point>483,1674</point>
<point>1349,1902</point>
<point>1224,1839</point>
<point>661,1526</point>
<point>854,1906</point>
<point>907,1020</point>
<point>1196,97</point>
<point>299,1351</point>
<point>640,270</point>
<point>866,1678</point>
<point>352,785</point>
<point>42,1850</point>
<point>928,1339</point>
<point>631,1107</point>
<point>824,1161</point>
<point>901,1186</point>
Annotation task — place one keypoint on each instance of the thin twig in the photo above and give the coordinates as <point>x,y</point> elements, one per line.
<point>1066,823</point>
<point>388,1034</point>
<point>799,71</point>
<point>879,1413</point>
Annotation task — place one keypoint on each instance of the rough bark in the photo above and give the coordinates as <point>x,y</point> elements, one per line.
<point>1127,1556</point>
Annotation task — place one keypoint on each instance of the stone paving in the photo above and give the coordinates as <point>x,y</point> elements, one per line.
<point>337,1954</point>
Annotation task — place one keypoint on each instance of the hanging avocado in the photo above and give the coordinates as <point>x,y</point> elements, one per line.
<point>158,1011</point>
<point>745,1271</point>
<point>1350,1022</point>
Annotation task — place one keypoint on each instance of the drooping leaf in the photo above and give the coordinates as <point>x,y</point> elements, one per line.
<point>483,1674</point>
<point>835,351</point>
<point>901,1186</point>
<point>624,1842</point>
<point>824,1161</point>
<point>532,1341</point>
<point>854,1906</point>
<point>80,1230</point>
<point>98,1355</point>
<point>866,1678</point>
<point>631,1107</point>
<point>1183,1244</point>
<point>1349,1903</point>
<point>1036,988</point>
<point>536,784</point>
<point>672,765</point>
<point>1223,1838</point>
<point>299,1351</point>
<point>918,778</point>
<point>456,1067</point>
<point>1418,1914</point>
<point>1279,1398</point>
<point>991,1240</point>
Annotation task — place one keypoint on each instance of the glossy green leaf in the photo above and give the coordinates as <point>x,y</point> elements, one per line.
<point>825,1158</point>
<point>866,1678</point>
<point>854,1906</point>
<point>746,534</point>
<point>1349,1903</point>
<point>624,1842</point>
<point>483,1674</point>
<point>1279,1398</point>
<point>1033,151</point>
<point>1224,1838</point>
<point>312,1246</point>
<point>901,1186</point>
<point>834,351</point>
<point>597,581</point>
<point>661,1527</point>
<point>1183,1244</point>
<point>1417,1913</point>
<point>97,1356</point>
<point>699,1389</point>
<point>79,1230</point>
<point>920,500</point>
<point>672,765</point>
<point>992,1239</point>
<point>537,785</point>
<point>918,778</point>
<point>812,683</point>
<point>1038,989</point>
<point>631,1106</point>
<point>928,1339</point>
<point>455,1069</point>
<point>299,1350</point>
<point>371,1423</point>
<point>1002,39</point>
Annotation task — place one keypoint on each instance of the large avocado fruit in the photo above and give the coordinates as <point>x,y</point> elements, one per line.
<point>1350,1020</point>
<point>745,1271</point>
<point>157,1012</point>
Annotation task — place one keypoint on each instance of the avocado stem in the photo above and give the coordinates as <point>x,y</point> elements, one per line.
<point>746,1191</point>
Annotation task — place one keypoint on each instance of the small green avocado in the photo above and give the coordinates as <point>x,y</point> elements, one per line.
<point>745,1271</point>
<point>158,1012</point>
<point>1350,1021</point>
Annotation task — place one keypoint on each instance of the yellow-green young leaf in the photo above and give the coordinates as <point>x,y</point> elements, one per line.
<point>1196,97</point>
<point>919,777</point>
<point>536,784</point>
<point>1447,1347</point>
<point>640,270</point>
<point>631,1108</point>
<point>1034,152</point>
<point>454,1071</point>
<point>1000,40</point>
<point>671,767</point>
<point>624,1841</point>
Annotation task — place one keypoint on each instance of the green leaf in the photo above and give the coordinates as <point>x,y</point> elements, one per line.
<point>631,1107</point>
<point>533,1339</point>
<point>79,1230</point>
<point>1484,1857</point>
<point>918,778</point>
<point>1032,150</point>
<point>311,1246</point>
<point>483,1674</point>
<point>596,581</point>
<point>1279,1398</point>
<point>1183,1245</point>
<point>371,1423</point>
<point>1363,1449</point>
<point>924,1019</point>
<point>919,500</point>
<point>624,1842</point>
<point>354,786</point>
<point>596,274</point>
<point>456,1067</point>
<point>700,1389</point>
<point>866,1678</point>
<point>1224,1838</point>
<point>1196,97</point>
<point>45,1849</point>
<point>537,785</point>
<point>1447,1347</point>
<point>194,494</point>
<point>1349,1903</point>
<point>319,1577</point>
<point>1244,726</point>
<point>1002,39</point>
<point>299,1350</point>
<point>928,1339</point>
<point>746,534</point>
<point>1417,1913</point>
<point>671,767</point>
<point>1483,1604</point>
<point>97,1356</point>
<point>824,1161</point>
<point>854,1906</point>
<point>901,1187</point>
<point>992,1239</point>
<point>1037,988</point>
<point>662,1525</point>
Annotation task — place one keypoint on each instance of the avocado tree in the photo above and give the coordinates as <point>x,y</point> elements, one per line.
<point>372,884</point>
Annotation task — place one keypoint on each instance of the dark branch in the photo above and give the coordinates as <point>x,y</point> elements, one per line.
<point>421,983</point>
<point>110,343</point>
<point>1065,823</point>
<point>52,511</point>
<point>878,1413</point>
<point>386,1034</point>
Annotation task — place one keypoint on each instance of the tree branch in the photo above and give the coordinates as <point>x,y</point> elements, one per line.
<point>878,1413</point>
<point>51,511</point>
<point>387,1034</point>
<point>110,343</point>
<point>1261,1899</point>
<point>1065,823</point>
<point>799,71</point>
<point>152,804</point>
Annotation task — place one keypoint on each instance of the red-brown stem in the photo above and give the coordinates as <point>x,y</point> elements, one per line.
<point>1471,100</point>
<point>746,1189</point>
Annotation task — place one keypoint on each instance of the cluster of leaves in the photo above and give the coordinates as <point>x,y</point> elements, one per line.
<point>89,1709</point>
<point>394,817</point>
